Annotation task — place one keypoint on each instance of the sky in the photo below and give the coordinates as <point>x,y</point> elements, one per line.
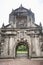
<point>6,7</point>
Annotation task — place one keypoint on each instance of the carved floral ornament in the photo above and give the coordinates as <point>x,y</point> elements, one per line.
<point>22,40</point>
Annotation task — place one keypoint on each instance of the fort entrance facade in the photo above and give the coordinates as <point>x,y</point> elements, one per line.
<point>22,37</point>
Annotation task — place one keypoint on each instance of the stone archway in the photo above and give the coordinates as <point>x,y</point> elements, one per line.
<point>23,53</point>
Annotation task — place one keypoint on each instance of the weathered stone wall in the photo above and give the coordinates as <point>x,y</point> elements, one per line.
<point>11,41</point>
<point>21,28</point>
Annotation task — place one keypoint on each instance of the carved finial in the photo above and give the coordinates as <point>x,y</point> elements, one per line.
<point>40,24</point>
<point>3,25</point>
<point>21,5</point>
<point>12,9</point>
<point>40,27</point>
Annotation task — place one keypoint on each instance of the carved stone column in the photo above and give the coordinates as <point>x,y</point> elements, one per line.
<point>11,45</point>
<point>33,45</point>
<point>37,48</point>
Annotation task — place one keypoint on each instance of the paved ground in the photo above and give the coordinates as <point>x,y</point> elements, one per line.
<point>20,61</point>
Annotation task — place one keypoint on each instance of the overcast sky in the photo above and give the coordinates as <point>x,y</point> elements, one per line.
<point>6,7</point>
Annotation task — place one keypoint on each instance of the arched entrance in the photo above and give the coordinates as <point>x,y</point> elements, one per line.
<point>22,50</point>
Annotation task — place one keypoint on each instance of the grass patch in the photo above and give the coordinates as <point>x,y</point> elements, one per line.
<point>22,52</point>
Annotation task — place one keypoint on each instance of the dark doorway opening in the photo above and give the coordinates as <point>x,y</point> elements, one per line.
<point>22,50</point>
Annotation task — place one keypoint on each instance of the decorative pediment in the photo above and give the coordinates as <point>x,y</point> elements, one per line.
<point>35,25</point>
<point>21,9</point>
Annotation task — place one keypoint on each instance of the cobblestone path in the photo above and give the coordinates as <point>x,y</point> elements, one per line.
<point>20,61</point>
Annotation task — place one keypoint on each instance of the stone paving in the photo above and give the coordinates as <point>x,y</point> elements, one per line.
<point>20,61</point>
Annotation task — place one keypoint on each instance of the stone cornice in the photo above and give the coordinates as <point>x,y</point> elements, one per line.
<point>13,29</point>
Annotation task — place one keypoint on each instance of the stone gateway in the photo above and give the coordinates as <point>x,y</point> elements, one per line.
<point>21,30</point>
